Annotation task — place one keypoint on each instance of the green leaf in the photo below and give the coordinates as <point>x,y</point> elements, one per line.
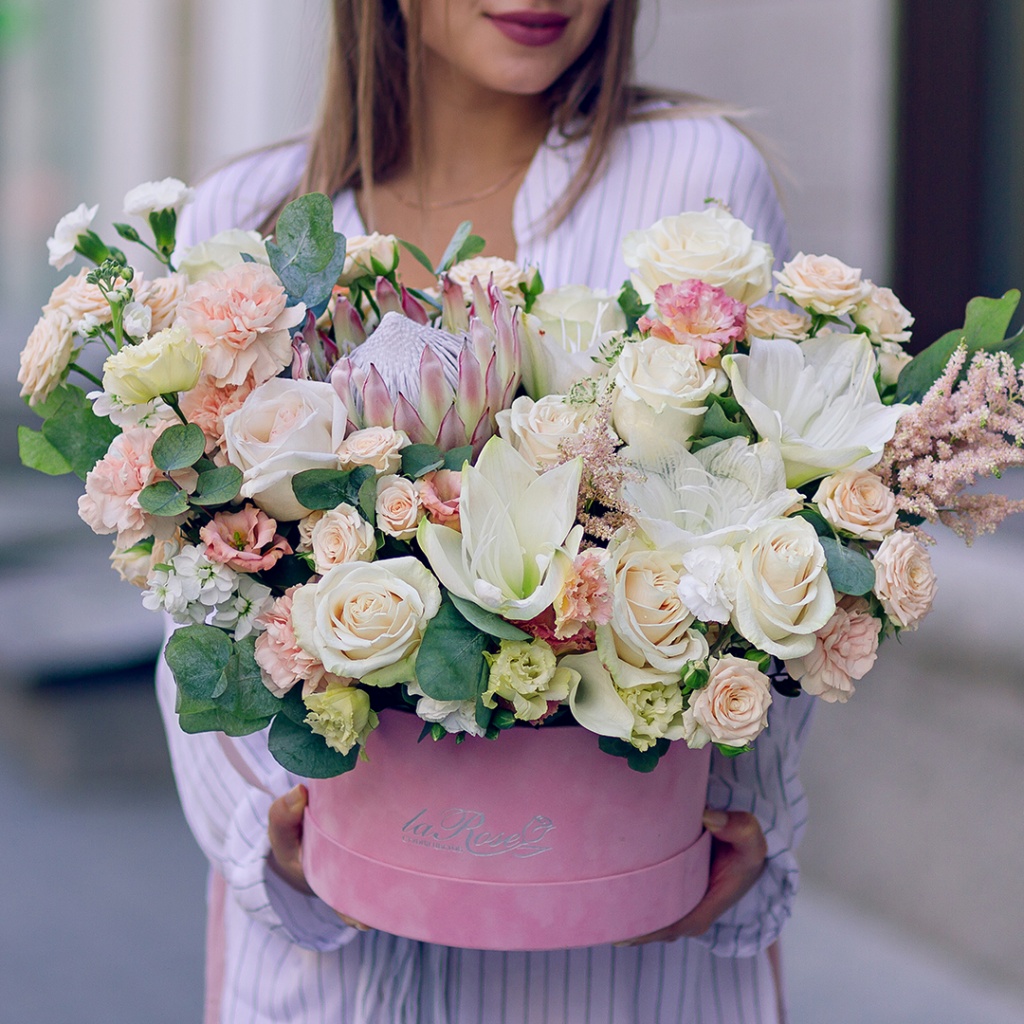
<point>985,326</point>
<point>451,253</point>
<point>179,447</point>
<point>197,657</point>
<point>472,246</point>
<point>290,571</point>
<point>37,453</point>
<point>849,571</point>
<point>487,622</point>
<point>366,497</point>
<point>417,254</point>
<point>640,761</point>
<point>450,663</point>
<point>216,720</point>
<point>163,498</point>
<point>717,423</point>
<point>457,457</point>
<point>821,525</point>
<point>483,715</point>
<point>732,751</point>
<point>420,459</point>
<point>75,431</point>
<point>308,254</point>
<point>302,752</point>
<point>329,488</point>
<point>632,305</point>
<point>217,486</point>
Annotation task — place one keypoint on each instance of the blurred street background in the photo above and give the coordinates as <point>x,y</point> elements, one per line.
<point>897,131</point>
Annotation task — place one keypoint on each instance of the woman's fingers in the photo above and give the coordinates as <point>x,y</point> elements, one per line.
<point>737,859</point>
<point>284,826</point>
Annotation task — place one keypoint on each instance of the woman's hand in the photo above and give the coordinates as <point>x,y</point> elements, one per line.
<point>738,854</point>
<point>284,826</point>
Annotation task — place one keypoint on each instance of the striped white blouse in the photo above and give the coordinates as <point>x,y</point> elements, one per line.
<point>278,956</point>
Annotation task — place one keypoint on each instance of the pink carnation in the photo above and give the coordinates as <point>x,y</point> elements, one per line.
<point>241,318</point>
<point>542,627</point>
<point>282,661</point>
<point>697,314</point>
<point>439,494</point>
<point>111,500</point>
<point>585,595</point>
<point>845,648</point>
<point>245,540</point>
<point>208,405</point>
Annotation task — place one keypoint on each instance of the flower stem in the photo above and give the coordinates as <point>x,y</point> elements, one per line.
<point>91,377</point>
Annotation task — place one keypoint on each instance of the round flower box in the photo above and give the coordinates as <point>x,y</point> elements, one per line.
<point>537,840</point>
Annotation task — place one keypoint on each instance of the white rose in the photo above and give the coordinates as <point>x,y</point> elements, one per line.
<point>821,284</point>
<point>732,708</point>
<point>768,322</point>
<point>283,427</point>
<point>891,360</point>
<point>45,357</point>
<point>364,616</point>
<point>340,535</point>
<point>166,363</point>
<point>784,596</point>
<point>566,329</point>
<point>363,250</point>
<point>858,502</point>
<point>710,245</point>
<point>904,579</point>
<point>398,507</point>
<point>662,389</point>
<point>220,252</point>
<point>380,447</point>
<point>153,196</point>
<point>649,620</point>
<point>884,315</point>
<point>61,244</point>
<point>508,276</point>
<point>537,429</point>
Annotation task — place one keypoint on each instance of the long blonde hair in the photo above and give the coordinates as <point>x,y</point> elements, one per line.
<point>367,128</point>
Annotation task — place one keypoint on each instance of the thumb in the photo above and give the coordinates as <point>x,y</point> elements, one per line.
<point>285,824</point>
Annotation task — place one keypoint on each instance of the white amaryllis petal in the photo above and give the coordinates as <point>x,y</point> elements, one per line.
<point>518,537</point>
<point>816,400</point>
<point>593,700</point>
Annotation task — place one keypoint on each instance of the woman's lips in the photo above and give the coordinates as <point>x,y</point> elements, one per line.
<point>531,28</point>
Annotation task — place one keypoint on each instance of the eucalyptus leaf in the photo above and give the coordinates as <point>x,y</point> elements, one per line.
<point>849,571</point>
<point>217,486</point>
<point>821,525</point>
<point>631,305</point>
<point>179,447</point>
<point>487,622</point>
<point>163,498</point>
<point>37,453</point>
<point>456,458</point>
<point>197,656</point>
<point>302,752</point>
<point>450,663</point>
<point>217,720</point>
<point>717,423</point>
<point>74,430</point>
<point>420,459</point>
<point>640,761</point>
<point>329,488</point>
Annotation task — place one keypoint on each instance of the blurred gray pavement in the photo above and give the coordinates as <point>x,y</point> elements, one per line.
<point>913,904</point>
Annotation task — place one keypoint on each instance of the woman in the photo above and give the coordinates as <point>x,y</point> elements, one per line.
<point>517,115</point>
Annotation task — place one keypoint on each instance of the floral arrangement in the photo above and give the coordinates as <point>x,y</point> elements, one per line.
<point>497,505</point>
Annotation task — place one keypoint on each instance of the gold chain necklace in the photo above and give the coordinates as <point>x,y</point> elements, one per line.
<point>447,204</point>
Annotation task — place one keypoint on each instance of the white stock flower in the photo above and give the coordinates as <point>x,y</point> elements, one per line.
<point>816,400</point>
<point>61,244</point>
<point>709,245</point>
<point>518,538</point>
<point>821,284</point>
<point>239,612</point>
<point>152,196</point>
<point>537,429</point>
<point>454,716</point>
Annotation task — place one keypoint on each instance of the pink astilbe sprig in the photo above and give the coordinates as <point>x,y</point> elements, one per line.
<point>963,430</point>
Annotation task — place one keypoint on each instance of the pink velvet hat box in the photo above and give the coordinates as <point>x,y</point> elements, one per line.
<point>536,840</point>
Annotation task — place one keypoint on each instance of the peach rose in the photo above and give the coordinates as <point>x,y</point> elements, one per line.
<point>857,501</point>
<point>341,535</point>
<point>844,650</point>
<point>241,318</point>
<point>508,276</point>
<point>162,296</point>
<point>380,447</point>
<point>904,579</point>
<point>884,315</point>
<point>439,495</point>
<point>45,357</point>
<point>77,299</point>
<point>767,322</point>
<point>246,540</point>
<point>821,284</point>
<point>732,708</point>
<point>398,507</point>
<point>537,429</point>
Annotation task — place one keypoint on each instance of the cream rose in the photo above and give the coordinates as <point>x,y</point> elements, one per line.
<point>283,427</point>
<point>784,596</point>
<point>883,315</point>
<point>363,616</point>
<point>338,536</point>
<point>857,501</point>
<point>821,284</point>
<point>891,360</point>
<point>166,363</point>
<point>537,429</point>
<point>220,252</point>
<point>768,322</point>
<point>732,709</point>
<point>45,357</point>
<point>363,251</point>
<point>904,579</point>
<point>79,300</point>
<point>162,296</point>
<point>380,447</point>
<point>662,390</point>
<point>844,650</point>
<point>566,330</point>
<point>710,245</point>
<point>342,715</point>
<point>649,620</point>
<point>508,276</point>
<point>398,507</point>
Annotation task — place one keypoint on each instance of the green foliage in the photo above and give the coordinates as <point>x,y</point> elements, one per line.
<point>417,254</point>
<point>640,761</point>
<point>849,571</point>
<point>217,486</point>
<point>632,305</point>
<point>420,459</point>
<point>450,663</point>
<point>457,457</point>
<point>821,525</point>
<point>300,750</point>
<point>463,246</point>
<point>164,498</point>
<point>179,447</point>
<point>73,430</point>
<point>487,622</point>
<point>723,420</point>
<point>329,488</point>
<point>308,255</point>
<point>732,751</point>
<point>985,326</point>
<point>37,453</point>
